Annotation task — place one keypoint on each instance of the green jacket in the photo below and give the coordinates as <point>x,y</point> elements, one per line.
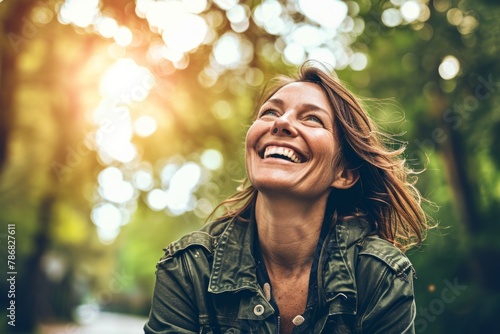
<point>206,283</point>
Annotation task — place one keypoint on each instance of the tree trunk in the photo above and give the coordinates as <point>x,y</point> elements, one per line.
<point>15,16</point>
<point>456,169</point>
<point>482,264</point>
<point>29,280</point>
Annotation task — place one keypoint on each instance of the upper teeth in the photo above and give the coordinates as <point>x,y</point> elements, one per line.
<point>270,150</point>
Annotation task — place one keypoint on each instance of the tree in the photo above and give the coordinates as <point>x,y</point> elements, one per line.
<point>81,86</point>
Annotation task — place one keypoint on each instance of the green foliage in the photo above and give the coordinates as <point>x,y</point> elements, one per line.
<point>49,186</point>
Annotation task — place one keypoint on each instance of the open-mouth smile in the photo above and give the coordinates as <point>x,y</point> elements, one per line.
<point>284,153</point>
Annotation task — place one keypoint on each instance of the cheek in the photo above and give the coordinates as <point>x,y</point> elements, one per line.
<point>249,140</point>
<point>327,150</point>
<point>255,131</point>
<point>326,144</point>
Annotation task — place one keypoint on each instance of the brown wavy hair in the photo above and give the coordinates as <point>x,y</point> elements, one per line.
<point>385,194</point>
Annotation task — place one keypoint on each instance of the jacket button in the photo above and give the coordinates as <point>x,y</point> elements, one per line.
<point>298,320</point>
<point>258,309</point>
<point>267,291</point>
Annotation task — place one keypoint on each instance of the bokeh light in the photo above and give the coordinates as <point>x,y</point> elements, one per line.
<point>237,14</point>
<point>268,16</point>
<point>449,67</point>
<point>186,178</point>
<point>81,13</point>
<point>119,193</point>
<point>143,180</point>
<point>179,183</point>
<point>410,10</point>
<point>203,207</point>
<point>392,17</point>
<point>109,176</point>
<point>113,188</point>
<point>307,36</point>
<point>225,4</point>
<point>122,84</point>
<point>455,16</point>
<point>222,109</point>
<point>145,126</point>
<point>157,199</point>
<point>180,28</point>
<point>328,31</point>
<point>231,51</point>
<point>324,55</point>
<point>327,13</point>
<point>123,36</point>
<point>195,6</point>
<point>186,33</point>
<point>211,159</point>
<point>294,53</point>
<point>126,81</point>
<point>108,219</point>
<point>107,27</point>
<point>42,15</point>
<point>359,61</point>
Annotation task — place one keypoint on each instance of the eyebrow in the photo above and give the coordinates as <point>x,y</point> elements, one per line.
<point>306,106</point>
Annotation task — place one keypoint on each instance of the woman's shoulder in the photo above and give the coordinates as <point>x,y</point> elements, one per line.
<point>375,252</point>
<point>205,238</point>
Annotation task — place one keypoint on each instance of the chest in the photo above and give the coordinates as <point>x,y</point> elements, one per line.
<point>291,298</point>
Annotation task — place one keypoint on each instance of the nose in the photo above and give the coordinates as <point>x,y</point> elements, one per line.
<point>283,127</point>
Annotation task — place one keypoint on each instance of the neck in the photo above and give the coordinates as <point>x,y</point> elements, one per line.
<point>288,232</point>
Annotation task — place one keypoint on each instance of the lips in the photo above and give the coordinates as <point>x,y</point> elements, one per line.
<point>281,152</point>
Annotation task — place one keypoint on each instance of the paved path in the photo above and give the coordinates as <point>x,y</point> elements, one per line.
<point>105,323</point>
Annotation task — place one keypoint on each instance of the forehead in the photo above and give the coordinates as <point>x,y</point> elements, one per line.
<point>301,93</point>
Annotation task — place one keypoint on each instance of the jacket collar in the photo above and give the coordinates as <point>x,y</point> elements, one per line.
<point>234,267</point>
<point>337,278</point>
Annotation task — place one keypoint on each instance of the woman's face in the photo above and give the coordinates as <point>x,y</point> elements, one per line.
<point>291,146</point>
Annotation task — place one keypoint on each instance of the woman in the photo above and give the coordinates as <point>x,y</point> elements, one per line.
<point>315,243</point>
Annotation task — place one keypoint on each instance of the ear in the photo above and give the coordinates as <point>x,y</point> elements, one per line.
<point>345,179</point>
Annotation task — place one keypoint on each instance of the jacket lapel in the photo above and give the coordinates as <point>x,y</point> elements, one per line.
<point>234,266</point>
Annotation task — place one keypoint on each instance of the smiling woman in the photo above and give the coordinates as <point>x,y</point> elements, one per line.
<point>315,242</point>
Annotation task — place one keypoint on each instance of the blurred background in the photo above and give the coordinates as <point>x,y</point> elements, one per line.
<point>122,126</point>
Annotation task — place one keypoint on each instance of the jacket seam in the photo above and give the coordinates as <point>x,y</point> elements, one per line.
<point>399,267</point>
<point>171,250</point>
